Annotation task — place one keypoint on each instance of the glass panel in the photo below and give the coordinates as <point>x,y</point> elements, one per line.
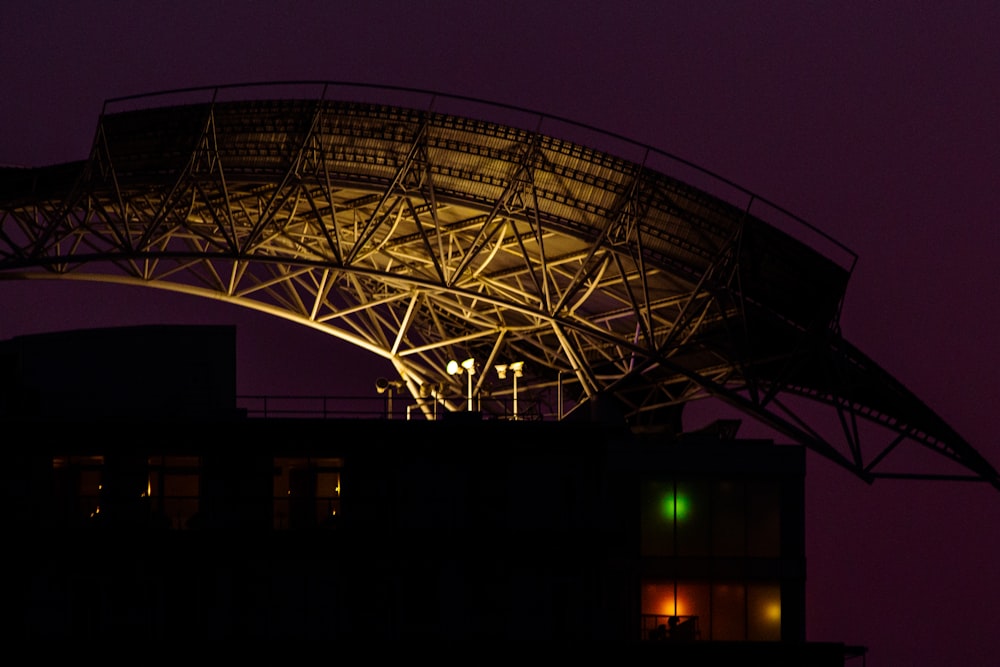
<point>77,487</point>
<point>691,508</point>
<point>327,495</point>
<point>728,613</point>
<point>729,519</point>
<point>306,492</point>
<point>174,490</point>
<point>658,598</point>
<point>657,516</point>
<point>281,493</point>
<point>764,520</point>
<point>674,611</point>
<point>764,612</point>
<point>693,610</point>
<point>301,495</point>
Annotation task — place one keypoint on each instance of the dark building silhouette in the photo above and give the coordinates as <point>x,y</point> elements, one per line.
<point>142,502</point>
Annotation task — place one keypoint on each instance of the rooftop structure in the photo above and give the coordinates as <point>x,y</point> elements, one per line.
<point>402,223</point>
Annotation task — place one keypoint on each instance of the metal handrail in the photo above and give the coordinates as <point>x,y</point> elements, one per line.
<point>319,406</point>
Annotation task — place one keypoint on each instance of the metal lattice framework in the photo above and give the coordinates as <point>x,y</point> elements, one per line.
<point>424,236</point>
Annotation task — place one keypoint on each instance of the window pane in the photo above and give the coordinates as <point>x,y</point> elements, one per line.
<point>729,519</point>
<point>657,516</point>
<point>77,488</point>
<point>728,612</point>
<point>693,608</point>
<point>674,610</point>
<point>764,612</point>
<point>764,520</point>
<point>327,495</point>
<point>174,489</point>
<point>658,598</point>
<point>693,518</point>
<point>306,492</point>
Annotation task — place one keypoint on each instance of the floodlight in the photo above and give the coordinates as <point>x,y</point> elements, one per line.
<point>517,368</point>
<point>469,366</point>
<point>383,385</point>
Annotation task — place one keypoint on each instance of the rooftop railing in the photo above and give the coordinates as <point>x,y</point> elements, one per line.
<point>400,407</point>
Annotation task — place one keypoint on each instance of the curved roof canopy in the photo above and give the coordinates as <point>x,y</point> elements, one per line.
<point>425,236</point>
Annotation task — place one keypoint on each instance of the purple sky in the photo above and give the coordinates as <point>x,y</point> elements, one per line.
<point>875,122</point>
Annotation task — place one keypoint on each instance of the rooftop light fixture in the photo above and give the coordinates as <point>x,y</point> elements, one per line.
<point>386,386</point>
<point>469,367</point>
<point>431,390</point>
<point>517,369</point>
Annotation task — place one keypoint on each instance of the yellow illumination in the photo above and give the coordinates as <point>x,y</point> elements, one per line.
<point>773,612</point>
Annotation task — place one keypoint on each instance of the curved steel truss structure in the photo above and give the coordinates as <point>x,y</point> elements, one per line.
<point>424,236</point>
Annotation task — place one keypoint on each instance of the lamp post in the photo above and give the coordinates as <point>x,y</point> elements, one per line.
<point>469,367</point>
<point>432,390</point>
<point>517,369</point>
<point>384,386</point>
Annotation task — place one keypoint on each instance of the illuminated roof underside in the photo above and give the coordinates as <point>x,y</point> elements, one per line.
<point>424,237</point>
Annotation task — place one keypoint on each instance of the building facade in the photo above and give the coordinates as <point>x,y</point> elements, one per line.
<point>188,518</point>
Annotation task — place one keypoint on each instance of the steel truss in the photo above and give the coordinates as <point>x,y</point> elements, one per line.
<point>424,237</point>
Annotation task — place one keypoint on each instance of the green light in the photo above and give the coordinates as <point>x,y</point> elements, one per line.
<point>670,508</point>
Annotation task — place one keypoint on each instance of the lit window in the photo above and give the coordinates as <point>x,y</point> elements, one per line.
<point>763,612</point>
<point>173,490</point>
<point>695,517</point>
<point>77,488</point>
<point>674,610</point>
<point>719,611</point>
<point>306,492</point>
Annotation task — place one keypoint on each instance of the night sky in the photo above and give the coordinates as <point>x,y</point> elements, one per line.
<point>875,122</point>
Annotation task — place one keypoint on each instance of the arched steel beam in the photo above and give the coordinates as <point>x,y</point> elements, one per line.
<point>420,236</point>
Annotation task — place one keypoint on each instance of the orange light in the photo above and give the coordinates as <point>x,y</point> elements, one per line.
<point>659,599</point>
<point>683,606</point>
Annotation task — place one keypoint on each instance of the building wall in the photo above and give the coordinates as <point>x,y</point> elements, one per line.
<point>170,512</point>
<point>124,371</point>
<point>352,528</point>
